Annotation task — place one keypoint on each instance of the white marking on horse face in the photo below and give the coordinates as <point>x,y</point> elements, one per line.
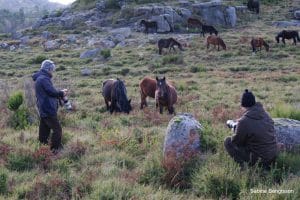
<point>160,83</point>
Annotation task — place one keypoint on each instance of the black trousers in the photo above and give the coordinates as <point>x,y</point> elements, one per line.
<point>243,155</point>
<point>46,125</point>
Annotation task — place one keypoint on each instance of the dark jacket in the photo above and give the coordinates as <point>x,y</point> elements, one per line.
<point>47,96</point>
<point>255,130</point>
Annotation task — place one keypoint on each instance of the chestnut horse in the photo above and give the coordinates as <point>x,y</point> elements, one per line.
<point>114,91</point>
<point>147,88</point>
<point>258,43</point>
<point>192,22</point>
<point>215,40</point>
<point>165,95</point>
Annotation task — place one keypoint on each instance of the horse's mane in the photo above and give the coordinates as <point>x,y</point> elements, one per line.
<point>177,43</point>
<point>121,94</point>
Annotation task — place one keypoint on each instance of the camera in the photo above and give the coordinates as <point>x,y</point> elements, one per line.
<point>231,124</point>
<point>66,103</point>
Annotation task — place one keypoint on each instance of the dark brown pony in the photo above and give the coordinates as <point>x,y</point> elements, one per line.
<point>258,43</point>
<point>168,43</point>
<point>149,24</point>
<point>192,22</point>
<point>147,88</point>
<point>165,95</point>
<point>288,34</point>
<point>215,40</point>
<point>114,91</point>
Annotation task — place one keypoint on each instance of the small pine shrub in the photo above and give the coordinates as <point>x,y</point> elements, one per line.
<point>208,140</point>
<point>195,69</point>
<point>3,181</point>
<point>105,53</point>
<point>20,161</point>
<point>37,60</point>
<point>15,101</point>
<point>19,119</point>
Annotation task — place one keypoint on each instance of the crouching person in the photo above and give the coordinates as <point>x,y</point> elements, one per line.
<point>254,135</point>
<point>47,103</point>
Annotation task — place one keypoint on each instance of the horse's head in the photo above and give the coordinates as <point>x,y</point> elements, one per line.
<point>266,46</point>
<point>277,37</point>
<point>161,87</point>
<point>127,107</point>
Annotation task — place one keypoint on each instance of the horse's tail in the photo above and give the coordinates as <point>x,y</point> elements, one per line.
<point>120,94</point>
<point>297,35</point>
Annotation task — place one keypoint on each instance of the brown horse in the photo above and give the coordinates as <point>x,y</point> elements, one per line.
<point>147,88</point>
<point>192,22</point>
<point>215,40</point>
<point>114,91</point>
<point>165,95</point>
<point>258,43</point>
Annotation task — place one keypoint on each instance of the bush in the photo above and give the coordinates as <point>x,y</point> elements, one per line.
<point>20,161</point>
<point>3,181</point>
<point>112,4</point>
<point>76,150</point>
<point>125,71</point>
<point>172,59</point>
<point>37,60</point>
<point>15,101</point>
<point>283,110</point>
<point>19,119</point>
<point>195,69</point>
<point>106,53</point>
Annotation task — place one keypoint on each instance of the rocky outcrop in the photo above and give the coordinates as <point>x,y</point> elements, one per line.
<point>288,133</point>
<point>182,141</point>
<point>52,45</point>
<point>90,53</point>
<point>215,13</point>
<point>86,72</point>
<point>297,14</point>
<point>287,23</point>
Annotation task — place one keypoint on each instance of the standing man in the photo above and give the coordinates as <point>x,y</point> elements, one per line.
<point>254,137</point>
<point>47,103</point>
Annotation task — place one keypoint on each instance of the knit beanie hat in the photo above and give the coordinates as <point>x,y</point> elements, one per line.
<point>248,99</point>
<point>48,65</point>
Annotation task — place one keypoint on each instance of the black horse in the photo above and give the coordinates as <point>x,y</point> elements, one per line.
<point>149,24</point>
<point>253,5</point>
<point>168,43</point>
<point>288,34</point>
<point>208,29</point>
<point>114,91</point>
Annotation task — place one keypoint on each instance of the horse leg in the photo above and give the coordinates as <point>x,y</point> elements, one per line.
<point>160,51</point>
<point>283,40</point>
<point>218,47</point>
<point>160,109</point>
<point>107,104</point>
<point>295,41</point>
<point>171,110</point>
<point>207,46</point>
<point>143,100</point>
<point>112,106</point>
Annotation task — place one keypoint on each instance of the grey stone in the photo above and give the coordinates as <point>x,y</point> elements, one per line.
<point>4,45</point>
<point>90,53</point>
<point>297,14</point>
<point>71,39</point>
<point>184,13</point>
<point>17,35</point>
<point>52,45</point>
<point>286,23</point>
<point>12,48</point>
<point>288,133</point>
<point>124,31</point>
<point>143,11</point>
<point>86,72</point>
<point>47,35</point>
<point>184,3</point>
<point>162,24</point>
<point>24,39</point>
<point>107,44</point>
<point>182,140</point>
<point>215,13</point>
<point>100,6</point>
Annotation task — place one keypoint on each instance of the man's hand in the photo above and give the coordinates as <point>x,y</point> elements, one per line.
<point>65,91</point>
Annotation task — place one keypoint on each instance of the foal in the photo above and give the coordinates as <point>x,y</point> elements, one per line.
<point>165,95</point>
<point>258,42</point>
<point>215,40</point>
<point>192,22</point>
<point>168,43</point>
<point>288,34</point>
<point>149,24</point>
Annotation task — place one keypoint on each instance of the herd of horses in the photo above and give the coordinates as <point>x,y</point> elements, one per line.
<point>116,100</point>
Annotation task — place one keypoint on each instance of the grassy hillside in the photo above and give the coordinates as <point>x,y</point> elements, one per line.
<point>119,156</point>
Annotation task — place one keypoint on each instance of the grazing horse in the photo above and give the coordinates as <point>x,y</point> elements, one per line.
<point>258,42</point>
<point>208,29</point>
<point>288,34</point>
<point>253,5</point>
<point>114,91</point>
<point>147,88</point>
<point>192,22</point>
<point>149,24</point>
<point>215,40</point>
<point>168,43</point>
<point>165,95</point>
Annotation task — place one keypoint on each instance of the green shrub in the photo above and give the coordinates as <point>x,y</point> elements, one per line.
<point>208,139</point>
<point>112,189</point>
<point>106,53</point>
<point>195,69</point>
<point>283,110</point>
<point>20,161</point>
<point>15,101</point>
<point>125,71</point>
<point>37,60</point>
<point>3,181</point>
<point>112,4</point>
<point>19,119</point>
<point>172,59</point>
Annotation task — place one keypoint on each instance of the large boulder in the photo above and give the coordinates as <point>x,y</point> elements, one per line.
<point>288,133</point>
<point>182,141</point>
<point>90,53</point>
<point>283,24</point>
<point>162,24</point>
<point>297,14</point>
<point>119,35</point>
<point>215,13</point>
<point>52,45</point>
